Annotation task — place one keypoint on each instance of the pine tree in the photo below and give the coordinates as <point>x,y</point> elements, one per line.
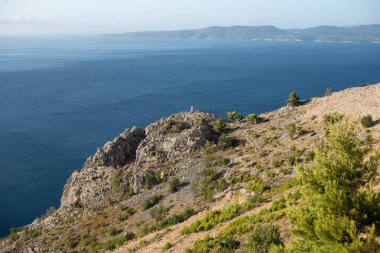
<point>337,206</point>
<point>293,99</point>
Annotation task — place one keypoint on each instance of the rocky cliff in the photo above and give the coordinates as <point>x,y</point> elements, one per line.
<point>142,190</point>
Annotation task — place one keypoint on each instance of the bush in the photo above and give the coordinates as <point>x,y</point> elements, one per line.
<point>224,142</point>
<point>294,131</point>
<point>219,126</point>
<point>367,121</point>
<point>333,118</point>
<point>262,238</point>
<point>334,210</point>
<point>257,186</point>
<point>234,116</point>
<point>167,246</point>
<point>159,213</point>
<point>153,178</point>
<point>174,184</point>
<point>252,118</point>
<point>176,126</point>
<point>293,99</point>
<point>152,201</point>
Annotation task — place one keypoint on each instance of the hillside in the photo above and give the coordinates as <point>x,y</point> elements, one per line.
<point>192,176</point>
<point>361,33</point>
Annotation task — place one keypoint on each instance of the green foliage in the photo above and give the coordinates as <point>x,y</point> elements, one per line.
<point>219,126</point>
<point>262,238</point>
<point>310,156</point>
<point>153,178</point>
<point>175,219</point>
<point>334,209</point>
<point>293,99</point>
<point>112,231</point>
<point>152,201</point>
<point>174,184</point>
<point>223,245</point>
<point>215,217</point>
<point>167,246</point>
<point>276,163</point>
<point>294,131</point>
<point>234,116</point>
<point>257,185</point>
<point>225,142</point>
<point>332,118</point>
<point>115,181</point>
<point>252,118</point>
<point>367,121</point>
<point>174,126</point>
<point>112,243</point>
<point>159,213</point>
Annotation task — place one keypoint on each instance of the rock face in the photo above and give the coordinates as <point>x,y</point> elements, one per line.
<point>90,185</point>
<point>170,140</point>
<point>139,150</point>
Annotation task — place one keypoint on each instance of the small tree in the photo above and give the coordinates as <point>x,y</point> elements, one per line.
<point>234,116</point>
<point>293,99</point>
<point>252,118</point>
<point>174,184</point>
<point>367,121</point>
<point>335,210</point>
<point>219,126</point>
<point>294,131</point>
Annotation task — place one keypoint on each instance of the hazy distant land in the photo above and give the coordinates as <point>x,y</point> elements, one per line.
<point>360,33</point>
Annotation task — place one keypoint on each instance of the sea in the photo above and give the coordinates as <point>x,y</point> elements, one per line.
<point>61,97</point>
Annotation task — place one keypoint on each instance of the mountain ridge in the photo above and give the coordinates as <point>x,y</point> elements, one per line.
<point>359,33</point>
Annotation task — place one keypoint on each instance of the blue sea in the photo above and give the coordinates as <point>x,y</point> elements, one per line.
<point>62,97</point>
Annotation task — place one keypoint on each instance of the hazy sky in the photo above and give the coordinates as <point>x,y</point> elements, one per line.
<point>103,16</point>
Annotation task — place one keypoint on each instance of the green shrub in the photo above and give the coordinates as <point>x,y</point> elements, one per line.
<point>293,99</point>
<point>332,118</point>
<point>367,121</point>
<point>334,210</point>
<point>219,126</point>
<point>214,217</point>
<point>310,156</point>
<point>294,131</point>
<point>112,231</point>
<point>166,246</point>
<point>252,118</point>
<point>257,185</point>
<point>234,116</point>
<point>174,184</point>
<point>174,126</point>
<point>276,163</point>
<point>175,219</point>
<point>262,238</point>
<point>153,178</point>
<point>152,201</point>
<point>159,213</point>
<point>225,142</point>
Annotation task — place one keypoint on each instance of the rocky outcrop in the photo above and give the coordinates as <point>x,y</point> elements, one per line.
<point>170,140</point>
<point>92,183</point>
<point>166,140</point>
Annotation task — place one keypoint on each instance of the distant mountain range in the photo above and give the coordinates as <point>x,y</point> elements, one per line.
<point>361,33</point>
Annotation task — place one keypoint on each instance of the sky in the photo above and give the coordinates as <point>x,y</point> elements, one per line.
<point>113,16</point>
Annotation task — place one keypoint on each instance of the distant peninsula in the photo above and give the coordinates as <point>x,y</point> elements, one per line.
<point>360,33</point>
